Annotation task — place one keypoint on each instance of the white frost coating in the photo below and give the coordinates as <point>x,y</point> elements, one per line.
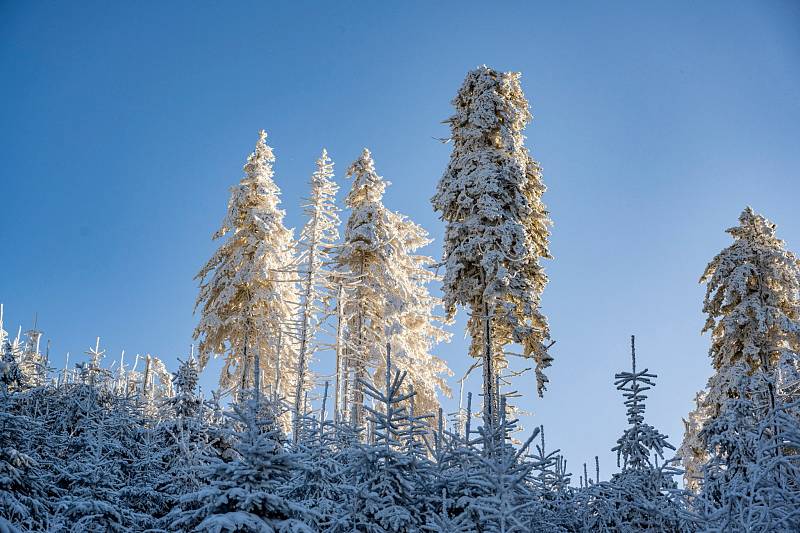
<point>247,293</point>
<point>753,307</point>
<point>386,296</point>
<point>497,226</point>
<point>314,257</point>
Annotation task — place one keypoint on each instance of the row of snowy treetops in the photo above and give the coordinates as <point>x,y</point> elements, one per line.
<point>272,304</point>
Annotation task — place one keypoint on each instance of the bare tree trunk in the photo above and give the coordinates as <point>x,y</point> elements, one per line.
<point>245,365</point>
<point>146,379</point>
<point>245,368</point>
<point>360,361</point>
<point>339,378</point>
<point>278,364</point>
<point>488,371</point>
<point>257,376</point>
<point>301,358</point>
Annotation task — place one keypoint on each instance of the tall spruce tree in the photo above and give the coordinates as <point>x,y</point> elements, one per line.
<point>753,307</point>
<point>247,293</point>
<point>497,227</point>
<point>386,297</point>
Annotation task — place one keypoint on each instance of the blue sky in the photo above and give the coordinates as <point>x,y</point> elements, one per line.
<point>124,125</point>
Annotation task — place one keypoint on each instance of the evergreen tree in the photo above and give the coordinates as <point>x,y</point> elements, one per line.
<point>23,488</point>
<point>497,227</point>
<point>317,286</point>
<point>753,307</point>
<point>184,436</point>
<point>247,293</point>
<point>244,493</point>
<point>387,298</point>
<point>386,479</point>
<point>643,496</point>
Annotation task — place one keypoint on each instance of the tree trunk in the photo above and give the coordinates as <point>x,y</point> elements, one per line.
<point>339,383</point>
<point>301,357</point>
<point>488,371</point>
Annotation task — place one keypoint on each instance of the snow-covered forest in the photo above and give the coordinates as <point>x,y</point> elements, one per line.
<point>100,443</point>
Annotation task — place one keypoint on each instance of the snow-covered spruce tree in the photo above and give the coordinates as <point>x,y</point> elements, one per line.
<point>643,496</point>
<point>458,474</point>
<point>751,481</point>
<point>497,226</point>
<point>640,443</point>
<point>23,490</point>
<point>732,447</point>
<point>184,435</point>
<point>385,297</point>
<point>551,482</point>
<point>97,457</point>
<point>506,502</point>
<point>247,293</point>
<point>386,478</point>
<point>11,376</point>
<point>316,286</point>
<point>775,489</point>
<point>244,494</point>
<point>753,307</point>
<point>319,485</point>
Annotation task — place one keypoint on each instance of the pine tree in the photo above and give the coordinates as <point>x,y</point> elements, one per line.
<point>247,293</point>
<point>753,307</point>
<point>317,286</point>
<point>386,296</point>
<point>497,227</point>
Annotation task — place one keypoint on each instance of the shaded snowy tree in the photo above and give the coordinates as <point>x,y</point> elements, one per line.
<point>385,478</point>
<point>244,494</point>
<point>23,488</point>
<point>643,496</point>
<point>752,305</point>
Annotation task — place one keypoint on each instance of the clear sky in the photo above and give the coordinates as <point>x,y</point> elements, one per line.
<point>125,123</point>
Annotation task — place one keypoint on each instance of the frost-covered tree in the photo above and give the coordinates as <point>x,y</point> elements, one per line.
<point>321,484</point>
<point>247,293</point>
<point>640,443</point>
<point>643,496</point>
<point>386,296</point>
<point>751,480</point>
<point>752,305</point>
<point>244,493</point>
<point>506,503</point>
<point>496,226</point>
<point>316,286</point>
<point>11,375</point>
<point>183,435</point>
<point>97,463</point>
<point>386,479</point>
<point>23,489</point>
